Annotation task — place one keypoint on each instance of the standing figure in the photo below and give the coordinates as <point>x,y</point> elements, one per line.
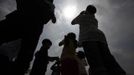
<point>69,64</point>
<point>42,59</point>
<point>26,23</point>
<point>95,45</point>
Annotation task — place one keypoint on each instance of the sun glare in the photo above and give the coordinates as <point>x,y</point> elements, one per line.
<point>69,11</point>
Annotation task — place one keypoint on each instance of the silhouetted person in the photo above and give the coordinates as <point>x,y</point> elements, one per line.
<point>95,45</point>
<point>42,59</point>
<point>56,68</point>
<point>82,63</point>
<point>69,64</point>
<point>26,23</point>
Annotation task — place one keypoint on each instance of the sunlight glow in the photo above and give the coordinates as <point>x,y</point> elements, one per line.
<point>69,11</point>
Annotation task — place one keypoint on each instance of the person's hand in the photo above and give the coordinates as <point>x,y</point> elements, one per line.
<point>54,19</point>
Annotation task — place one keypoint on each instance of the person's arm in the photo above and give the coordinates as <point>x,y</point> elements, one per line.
<point>53,18</point>
<point>53,58</point>
<point>53,66</point>
<point>61,43</point>
<point>52,8</point>
<point>75,21</point>
<point>78,18</point>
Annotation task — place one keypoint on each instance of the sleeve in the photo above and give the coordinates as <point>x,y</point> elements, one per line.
<point>61,43</point>
<point>78,19</point>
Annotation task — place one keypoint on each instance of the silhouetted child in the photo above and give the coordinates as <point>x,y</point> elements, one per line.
<point>95,45</point>
<point>56,68</point>
<point>82,63</point>
<point>42,59</point>
<point>69,64</point>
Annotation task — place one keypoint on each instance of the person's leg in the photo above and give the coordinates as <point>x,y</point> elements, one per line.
<point>39,67</point>
<point>92,52</point>
<point>110,62</point>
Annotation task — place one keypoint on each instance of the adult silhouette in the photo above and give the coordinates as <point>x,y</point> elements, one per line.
<point>26,23</point>
<point>95,45</point>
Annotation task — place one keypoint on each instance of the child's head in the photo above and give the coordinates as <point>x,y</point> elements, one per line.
<point>91,9</point>
<point>46,43</point>
<point>71,35</point>
<point>81,54</point>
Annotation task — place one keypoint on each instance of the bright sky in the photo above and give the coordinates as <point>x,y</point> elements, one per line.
<point>69,11</point>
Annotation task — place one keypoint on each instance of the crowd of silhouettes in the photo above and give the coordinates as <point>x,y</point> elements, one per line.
<point>26,23</point>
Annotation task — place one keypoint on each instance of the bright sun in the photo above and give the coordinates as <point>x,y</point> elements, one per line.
<point>69,11</point>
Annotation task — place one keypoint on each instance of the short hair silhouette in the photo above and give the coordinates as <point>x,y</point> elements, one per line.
<point>71,35</point>
<point>91,9</point>
<point>46,41</point>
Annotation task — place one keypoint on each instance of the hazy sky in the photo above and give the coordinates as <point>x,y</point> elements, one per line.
<point>115,18</point>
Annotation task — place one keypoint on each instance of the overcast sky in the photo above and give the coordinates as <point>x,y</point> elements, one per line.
<point>115,18</point>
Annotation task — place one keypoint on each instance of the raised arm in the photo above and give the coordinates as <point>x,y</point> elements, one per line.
<point>78,19</point>
<point>53,18</point>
